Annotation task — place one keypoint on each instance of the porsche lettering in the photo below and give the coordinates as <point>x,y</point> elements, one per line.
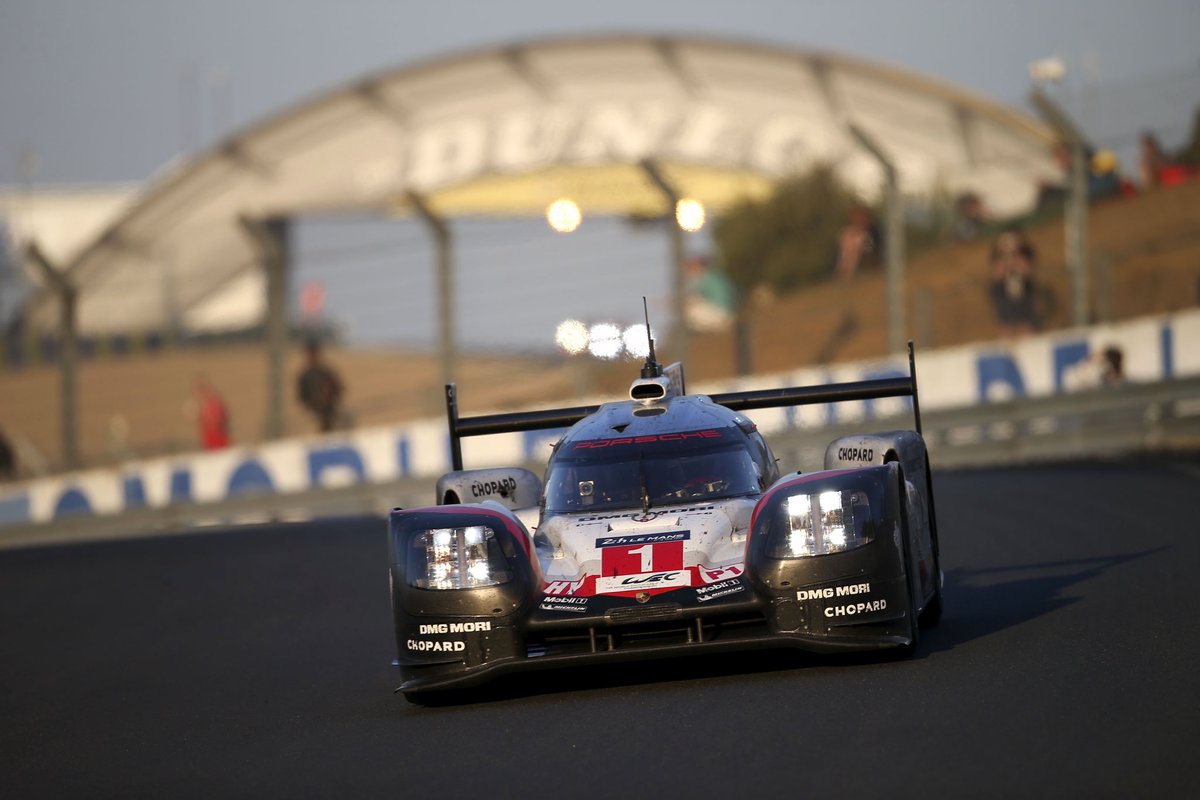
<point>599,444</point>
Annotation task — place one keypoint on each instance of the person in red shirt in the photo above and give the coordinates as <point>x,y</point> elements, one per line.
<point>212,417</point>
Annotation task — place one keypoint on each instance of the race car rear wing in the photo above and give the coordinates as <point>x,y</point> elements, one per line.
<point>516,422</point>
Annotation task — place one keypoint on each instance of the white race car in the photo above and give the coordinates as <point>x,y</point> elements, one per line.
<point>664,528</point>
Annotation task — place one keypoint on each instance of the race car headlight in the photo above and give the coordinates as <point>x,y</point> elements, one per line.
<point>818,524</point>
<point>457,558</point>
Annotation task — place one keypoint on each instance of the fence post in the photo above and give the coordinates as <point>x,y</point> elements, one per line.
<point>270,238</point>
<point>893,239</point>
<point>68,361</point>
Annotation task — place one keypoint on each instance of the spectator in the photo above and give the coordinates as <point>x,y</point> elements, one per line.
<point>1011,287</point>
<point>8,459</point>
<point>1153,160</point>
<point>212,416</point>
<point>1104,176</point>
<point>319,388</point>
<point>1102,369</point>
<point>1112,368</point>
<point>858,244</point>
<point>970,216</point>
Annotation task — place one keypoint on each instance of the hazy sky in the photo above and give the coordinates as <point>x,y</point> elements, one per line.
<point>110,90</point>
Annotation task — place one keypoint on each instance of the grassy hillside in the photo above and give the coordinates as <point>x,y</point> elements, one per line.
<point>1145,256</point>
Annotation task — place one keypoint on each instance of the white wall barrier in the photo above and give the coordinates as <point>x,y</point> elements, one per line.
<point>1155,349</point>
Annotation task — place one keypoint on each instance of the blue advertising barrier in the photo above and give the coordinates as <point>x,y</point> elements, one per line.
<point>1155,349</point>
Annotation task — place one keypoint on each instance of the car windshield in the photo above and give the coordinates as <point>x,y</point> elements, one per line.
<point>639,477</point>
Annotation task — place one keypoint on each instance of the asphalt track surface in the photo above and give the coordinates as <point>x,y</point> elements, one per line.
<point>256,663</point>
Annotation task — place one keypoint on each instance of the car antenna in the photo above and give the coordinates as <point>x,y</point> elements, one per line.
<point>650,369</point>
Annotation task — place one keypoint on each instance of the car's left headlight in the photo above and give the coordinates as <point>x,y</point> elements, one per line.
<point>822,523</point>
<point>467,557</point>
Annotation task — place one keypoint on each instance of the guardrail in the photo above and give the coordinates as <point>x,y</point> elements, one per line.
<point>1110,422</point>
<point>1102,423</point>
<point>357,500</point>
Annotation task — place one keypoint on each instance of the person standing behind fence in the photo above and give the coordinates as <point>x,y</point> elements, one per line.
<point>859,244</point>
<point>8,459</point>
<point>1011,288</point>
<point>319,388</point>
<point>212,416</point>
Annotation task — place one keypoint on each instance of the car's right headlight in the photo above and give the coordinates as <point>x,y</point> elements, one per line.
<point>818,524</point>
<point>468,557</point>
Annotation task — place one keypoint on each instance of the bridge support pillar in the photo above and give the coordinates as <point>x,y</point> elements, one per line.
<point>444,245</point>
<point>893,241</point>
<point>679,331</point>
<point>271,237</point>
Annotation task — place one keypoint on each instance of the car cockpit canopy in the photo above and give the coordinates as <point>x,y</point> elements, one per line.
<point>651,471</point>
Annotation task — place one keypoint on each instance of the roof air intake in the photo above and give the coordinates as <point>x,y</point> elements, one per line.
<point>649,390</point>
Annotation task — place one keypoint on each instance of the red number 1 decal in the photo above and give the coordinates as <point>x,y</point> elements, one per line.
<point>647,554</point>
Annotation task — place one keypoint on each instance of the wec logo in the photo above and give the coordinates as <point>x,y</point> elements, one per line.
<point>670,579</point>
<point>660,577</point>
